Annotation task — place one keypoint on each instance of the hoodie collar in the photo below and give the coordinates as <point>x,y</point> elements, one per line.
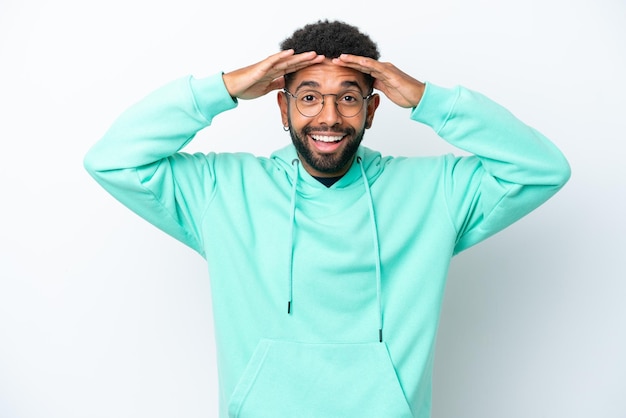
<point>370,160</point>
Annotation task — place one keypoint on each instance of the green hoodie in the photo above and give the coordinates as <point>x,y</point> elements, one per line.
<point>326,300</point>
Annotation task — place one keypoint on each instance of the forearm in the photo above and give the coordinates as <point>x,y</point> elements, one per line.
<point>160,124</point>
<point>508,149</point>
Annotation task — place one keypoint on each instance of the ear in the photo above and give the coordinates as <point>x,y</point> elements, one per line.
<point>372,105</point>
<point>283,104</point>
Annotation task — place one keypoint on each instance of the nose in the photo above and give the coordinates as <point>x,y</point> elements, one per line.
<point>329,114</point>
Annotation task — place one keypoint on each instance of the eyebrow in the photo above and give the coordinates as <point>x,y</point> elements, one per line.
<point>315,84</point>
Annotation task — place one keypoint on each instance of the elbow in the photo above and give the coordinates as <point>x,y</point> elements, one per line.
<point>566,175</point>
<point>90,162</point>
<point>561,171</point>
<point>99,159</point>
<point>552,168</point>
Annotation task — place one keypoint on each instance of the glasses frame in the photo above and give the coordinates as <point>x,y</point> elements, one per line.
<point>365,99</point>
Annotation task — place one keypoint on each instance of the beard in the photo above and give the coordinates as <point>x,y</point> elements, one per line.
<point>326,163</point>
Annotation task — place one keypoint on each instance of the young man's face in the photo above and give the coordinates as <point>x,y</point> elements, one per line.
<point>327,141</point>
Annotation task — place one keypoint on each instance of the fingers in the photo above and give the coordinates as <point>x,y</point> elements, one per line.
<point>401,88</point>
<point>385,73</point>
<point>264,76</point>
<point>286,62</point>
<point>362,64</point>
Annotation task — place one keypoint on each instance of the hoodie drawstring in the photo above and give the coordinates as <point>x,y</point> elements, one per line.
<point>292,223</point>
<point>370,202</point>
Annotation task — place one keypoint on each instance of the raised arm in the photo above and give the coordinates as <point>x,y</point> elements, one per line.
<point>513,170</point>
<point>139,161</point>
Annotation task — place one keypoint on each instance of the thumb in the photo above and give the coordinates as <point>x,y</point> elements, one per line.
<point>277,84</point>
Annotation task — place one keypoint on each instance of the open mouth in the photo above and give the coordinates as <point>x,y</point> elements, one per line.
<point>327,138</point>
<point>327,143</point>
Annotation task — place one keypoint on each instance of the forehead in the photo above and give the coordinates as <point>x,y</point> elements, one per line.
<point>327,76</point>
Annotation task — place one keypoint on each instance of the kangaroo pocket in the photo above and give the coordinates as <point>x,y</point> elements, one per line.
<point>287,379</point>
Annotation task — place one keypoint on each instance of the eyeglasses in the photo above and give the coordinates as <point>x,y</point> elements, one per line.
<point>311,102</point>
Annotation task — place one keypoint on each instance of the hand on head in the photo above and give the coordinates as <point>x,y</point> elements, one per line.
<point>399,87</point>
<point>259,79</point>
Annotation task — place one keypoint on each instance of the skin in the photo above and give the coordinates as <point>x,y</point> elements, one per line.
<point>329,76</point>
<point>322,158</point>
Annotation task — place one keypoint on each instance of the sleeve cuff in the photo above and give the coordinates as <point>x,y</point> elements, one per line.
<point>211,96</point>
<point>436,106</point>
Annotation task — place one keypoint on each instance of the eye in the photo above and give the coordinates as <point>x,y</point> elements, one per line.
<point>350,98</point>
<point>310,98</point>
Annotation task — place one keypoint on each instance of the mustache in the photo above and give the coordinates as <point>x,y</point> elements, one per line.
<point>310,129</point>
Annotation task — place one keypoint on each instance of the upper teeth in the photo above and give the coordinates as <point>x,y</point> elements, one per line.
<point>327,138</point>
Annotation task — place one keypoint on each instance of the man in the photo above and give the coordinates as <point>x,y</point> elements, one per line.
<point>327,260</point>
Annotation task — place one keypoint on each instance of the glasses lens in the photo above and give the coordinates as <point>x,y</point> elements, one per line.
<point>349,103</point>
<point>311,102</point>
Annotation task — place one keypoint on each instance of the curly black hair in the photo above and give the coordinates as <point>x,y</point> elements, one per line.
<point>331,39</point>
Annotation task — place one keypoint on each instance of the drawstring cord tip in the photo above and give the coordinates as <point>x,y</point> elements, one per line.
<point>288,307</point>
<point>380,335</point>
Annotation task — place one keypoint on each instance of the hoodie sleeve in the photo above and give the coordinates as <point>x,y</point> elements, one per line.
<point>512,171</point>
<point>139,163</point>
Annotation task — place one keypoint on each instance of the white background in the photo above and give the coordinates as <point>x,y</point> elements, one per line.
<point>101,315</point>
